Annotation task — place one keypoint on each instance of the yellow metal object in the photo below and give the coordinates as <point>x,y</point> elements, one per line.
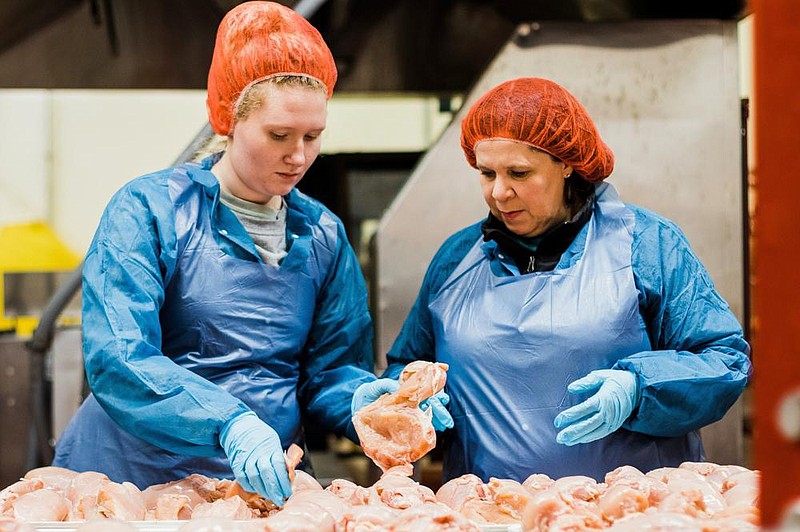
<point>30,248</point>
<point>34,247</point>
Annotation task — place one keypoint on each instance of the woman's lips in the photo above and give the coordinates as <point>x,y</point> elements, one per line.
<point>510,215</point>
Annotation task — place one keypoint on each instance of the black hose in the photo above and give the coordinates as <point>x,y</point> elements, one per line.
<point>39,345</point>
<point>42,337</point>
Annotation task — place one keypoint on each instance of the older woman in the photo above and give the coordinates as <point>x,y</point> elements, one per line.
<point>220,303</point>
<point>582,332</point>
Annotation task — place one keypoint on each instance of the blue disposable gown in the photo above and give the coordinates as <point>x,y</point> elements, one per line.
<point>627,294</point>
<point>185,327</point>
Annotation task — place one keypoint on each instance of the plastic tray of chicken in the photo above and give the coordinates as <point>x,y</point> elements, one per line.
<point>174,526</point>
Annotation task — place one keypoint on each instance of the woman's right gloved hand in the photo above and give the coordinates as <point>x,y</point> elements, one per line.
<point>256,457</point>
<point>371,391</point>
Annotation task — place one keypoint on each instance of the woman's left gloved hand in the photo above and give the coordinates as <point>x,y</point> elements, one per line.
<point>604,412</point>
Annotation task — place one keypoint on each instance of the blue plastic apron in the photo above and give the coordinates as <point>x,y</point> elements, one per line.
<point>238,323</point>
<point>514,344</point>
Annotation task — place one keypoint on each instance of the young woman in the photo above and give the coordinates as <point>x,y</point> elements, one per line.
<point>220,303</point>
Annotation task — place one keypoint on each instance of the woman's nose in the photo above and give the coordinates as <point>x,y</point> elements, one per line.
<point>502,189</point>
<point>296,154</point>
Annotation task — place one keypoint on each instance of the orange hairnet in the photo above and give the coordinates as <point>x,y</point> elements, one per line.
<point>256,41</point>
<point>541,113</point>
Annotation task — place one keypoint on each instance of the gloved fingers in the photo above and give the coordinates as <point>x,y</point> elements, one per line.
<point>441,397</point>
<point>442,420</point>
<point>575,413</point>
<point>372,391</point>
<point>600,432</point>
<point>384,386</point>
<point>586,384</point>
<point>278,463</point>
<point>574,434</point>
<point>266,479</point>
<point>255,483</point>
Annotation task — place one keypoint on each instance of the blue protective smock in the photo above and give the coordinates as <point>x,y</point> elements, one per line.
<point>627,294</point>
<point>185,327</point>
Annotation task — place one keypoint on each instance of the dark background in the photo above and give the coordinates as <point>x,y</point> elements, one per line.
<point>398,45</point>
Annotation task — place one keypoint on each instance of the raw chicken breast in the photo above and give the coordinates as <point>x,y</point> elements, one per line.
<point>17,490</point>
<point>398,491</point>
<point>454,493</point>
<point>325,499</point>
<point>537,482</point>
<point>300,515</point>
<point>120,501</point>
<point>40,505</point>
<point>393,430</point>
<point>172,507</point>
<point>171,497</point>
<point>233,508</point>
<point>349,492</point>
<point>369,517</point>
<point>300,479</point>
<point>432,517</point>
<point>658,522</point>
<point>57,478</point>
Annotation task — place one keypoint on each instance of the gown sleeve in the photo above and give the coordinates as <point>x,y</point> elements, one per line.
<point>338,356</point>
<point>127,267</point>
<point>700,362</point>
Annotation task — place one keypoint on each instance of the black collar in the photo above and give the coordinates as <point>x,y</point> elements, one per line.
<point>552,245</point>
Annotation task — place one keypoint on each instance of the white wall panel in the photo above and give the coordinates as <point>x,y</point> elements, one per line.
<point>63,153</point>
<point>103,139</point>
<point>24,155</point>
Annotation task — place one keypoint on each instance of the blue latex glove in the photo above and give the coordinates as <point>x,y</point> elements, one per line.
<point>442,420</point>
<point>256,457</point>
<point>371,391</point>
<point>604,412</point>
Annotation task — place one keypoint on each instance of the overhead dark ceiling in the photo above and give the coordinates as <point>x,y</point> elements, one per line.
<point>378,45</point>
<point>20,18</point>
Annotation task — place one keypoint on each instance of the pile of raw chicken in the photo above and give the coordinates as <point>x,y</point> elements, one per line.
<point>395,432</point>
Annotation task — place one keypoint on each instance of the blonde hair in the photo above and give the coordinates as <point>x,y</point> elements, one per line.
<point>253,98</point>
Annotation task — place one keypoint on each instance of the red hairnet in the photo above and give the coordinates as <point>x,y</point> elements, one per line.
<point>540,113</point>
<point>256,41</point>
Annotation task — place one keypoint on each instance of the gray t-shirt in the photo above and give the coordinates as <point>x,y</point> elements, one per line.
<point>266,226</point>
